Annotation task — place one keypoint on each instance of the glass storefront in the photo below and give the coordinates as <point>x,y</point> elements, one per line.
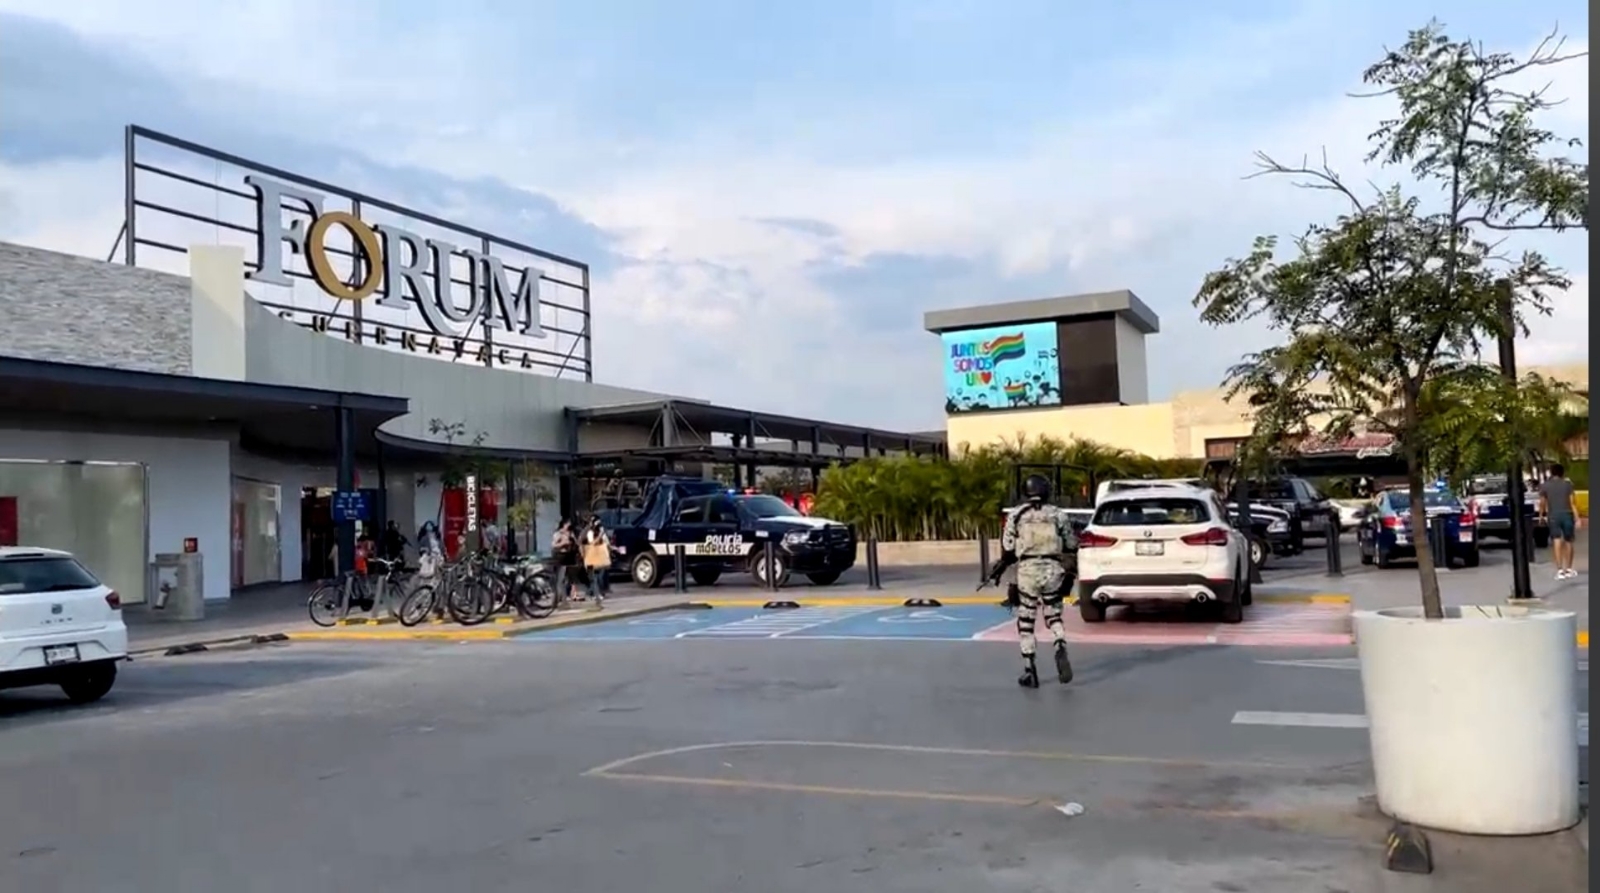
<point>98,511</point>
<point>257,535</point>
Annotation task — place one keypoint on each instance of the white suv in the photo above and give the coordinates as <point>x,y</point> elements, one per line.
<point>58,624</point>
<point>1164,543</point>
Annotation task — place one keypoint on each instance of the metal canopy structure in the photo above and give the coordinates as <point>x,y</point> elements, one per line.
<point>668,420</point>
<point>716,455</point>
<point>271,417</point>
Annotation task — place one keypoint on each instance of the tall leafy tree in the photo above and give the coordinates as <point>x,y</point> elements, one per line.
<point>1394,299</point>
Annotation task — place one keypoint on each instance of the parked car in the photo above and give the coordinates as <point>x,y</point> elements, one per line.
<point>1310,514</point>
<point>58,624</point>
<point>1349,512</point>
<point>1269,531</point>
<point>1487,496</point>
<point>1162,544</point>
<point>1386,532</point>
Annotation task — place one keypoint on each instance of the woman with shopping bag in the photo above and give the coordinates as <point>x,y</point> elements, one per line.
<point>596,561</point>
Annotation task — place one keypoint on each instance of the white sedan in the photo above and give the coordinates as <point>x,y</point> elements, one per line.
<point>59,625</point>
<point>1160,545</point>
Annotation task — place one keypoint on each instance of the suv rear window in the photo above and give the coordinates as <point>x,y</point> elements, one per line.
<point>52,573</point>
<point>1151,511</point>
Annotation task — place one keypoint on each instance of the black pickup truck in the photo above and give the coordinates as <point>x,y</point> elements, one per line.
<point>721,531</point>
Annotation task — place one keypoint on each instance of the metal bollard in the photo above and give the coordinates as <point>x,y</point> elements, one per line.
<point>983,556</point>
<point>1438,544</point>
<point>678,584</point>
<point>873,582</point>
<point>769,557</point>
<point>1335,551</point>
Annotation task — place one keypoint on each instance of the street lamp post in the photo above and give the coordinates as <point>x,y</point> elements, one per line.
<point>1521,578</point>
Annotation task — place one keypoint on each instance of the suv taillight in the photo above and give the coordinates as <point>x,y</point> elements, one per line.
<point>1091,540</point>
<point>1216,536</point>
<point>113,601</point>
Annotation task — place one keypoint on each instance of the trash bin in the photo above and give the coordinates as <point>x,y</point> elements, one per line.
<point>179,590</point>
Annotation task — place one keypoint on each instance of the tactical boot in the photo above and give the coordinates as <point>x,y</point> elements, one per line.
<point>1030,674</point>
<point>1063,666</point>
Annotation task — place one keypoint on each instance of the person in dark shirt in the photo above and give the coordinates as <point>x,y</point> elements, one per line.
<point>394,543</point>
<point>1558,504</point>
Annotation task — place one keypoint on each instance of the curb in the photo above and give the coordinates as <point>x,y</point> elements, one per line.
<point>207,645</point>
<point>476,634</point>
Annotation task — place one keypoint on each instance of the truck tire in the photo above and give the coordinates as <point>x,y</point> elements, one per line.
<point>758,568</point>
<point>645,570</point>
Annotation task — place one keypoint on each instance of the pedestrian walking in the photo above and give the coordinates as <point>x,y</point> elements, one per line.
<point>596,549</point>
<point>1558,506</point>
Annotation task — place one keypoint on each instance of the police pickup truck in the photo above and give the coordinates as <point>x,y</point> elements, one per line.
<point>721,531</point>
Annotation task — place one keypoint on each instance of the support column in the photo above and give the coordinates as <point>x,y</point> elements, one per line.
<point>738,470</point>
<point>381,510</point>
<point>345,482</point>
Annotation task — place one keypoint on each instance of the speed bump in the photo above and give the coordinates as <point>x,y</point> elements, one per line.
<point>922,603</point>
<point>780,606</point>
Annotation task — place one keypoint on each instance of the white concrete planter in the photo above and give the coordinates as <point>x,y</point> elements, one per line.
<point>1473,718</point>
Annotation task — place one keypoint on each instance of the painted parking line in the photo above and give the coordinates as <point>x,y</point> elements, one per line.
<point>780,623</point>
<point>1265,625</point>
<point>1340,721</point>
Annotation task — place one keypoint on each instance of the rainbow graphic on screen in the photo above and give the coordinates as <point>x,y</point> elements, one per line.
<point>977,360</point>
<point>1016,390</point>
<point>1006,347</point>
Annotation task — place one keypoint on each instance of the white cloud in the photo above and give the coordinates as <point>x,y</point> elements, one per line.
<point>1148,195</point>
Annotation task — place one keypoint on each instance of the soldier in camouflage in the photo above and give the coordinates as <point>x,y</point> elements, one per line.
<point>1039,539</point>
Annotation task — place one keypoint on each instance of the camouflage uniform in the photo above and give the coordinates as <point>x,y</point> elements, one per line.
<point>1042,538</point>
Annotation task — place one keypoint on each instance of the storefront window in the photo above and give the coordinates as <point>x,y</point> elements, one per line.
<point>257,541</point>
<point>98,511</point>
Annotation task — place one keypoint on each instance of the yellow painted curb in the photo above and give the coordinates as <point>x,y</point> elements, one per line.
<point>365,621</point>
<point>487,632</point>
<point>1314,598</point>
<point>375,635</point>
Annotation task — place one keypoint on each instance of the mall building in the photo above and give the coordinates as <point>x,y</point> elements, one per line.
<point>267,364</point>
<point>1076,367</point>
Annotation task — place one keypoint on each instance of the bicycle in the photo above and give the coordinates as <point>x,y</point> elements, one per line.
<point>423,599</point>
<point>331,602</point>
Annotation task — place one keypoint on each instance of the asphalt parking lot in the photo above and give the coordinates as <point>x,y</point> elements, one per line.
<point>715,764</point>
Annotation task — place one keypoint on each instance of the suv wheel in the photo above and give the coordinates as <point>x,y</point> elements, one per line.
<point>646,570</point>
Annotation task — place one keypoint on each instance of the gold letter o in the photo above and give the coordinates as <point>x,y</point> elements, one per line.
<point>322,266</point>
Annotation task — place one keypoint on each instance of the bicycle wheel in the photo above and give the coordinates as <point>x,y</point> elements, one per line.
<point>418,604</point>
<point>326,605</point>
<point>469,604</point>
<point>536,597</point>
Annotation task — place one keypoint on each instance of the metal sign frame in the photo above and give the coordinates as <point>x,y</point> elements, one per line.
<point>476,346</point>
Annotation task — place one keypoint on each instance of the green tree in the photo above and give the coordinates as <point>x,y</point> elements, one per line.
<point>916,498</point>
<point>1392,301</point>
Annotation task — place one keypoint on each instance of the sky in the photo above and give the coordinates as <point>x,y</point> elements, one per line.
<point>770,195</point>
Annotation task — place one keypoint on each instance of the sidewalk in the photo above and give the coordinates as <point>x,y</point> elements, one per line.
<point>280,610</point>
<point>1487,585</point>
